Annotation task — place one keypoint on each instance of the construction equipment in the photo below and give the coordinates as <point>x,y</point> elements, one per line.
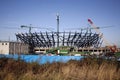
<point>23,26</point>
<point>30,27</point>
<point>112,48</point>
<point>88,28</point>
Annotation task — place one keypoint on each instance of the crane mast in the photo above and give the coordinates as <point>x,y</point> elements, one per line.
<point>57,18</point>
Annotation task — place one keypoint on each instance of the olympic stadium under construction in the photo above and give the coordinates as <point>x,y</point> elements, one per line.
<point>50,39</point>
<point>79,40</point>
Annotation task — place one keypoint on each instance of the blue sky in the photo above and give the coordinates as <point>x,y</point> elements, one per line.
<point>73,14</point>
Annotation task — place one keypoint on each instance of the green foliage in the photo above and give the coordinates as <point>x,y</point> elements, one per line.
<point>117,54</point>
<point>52,51</point>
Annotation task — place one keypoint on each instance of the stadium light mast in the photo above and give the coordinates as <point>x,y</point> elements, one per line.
<point>57,18</point>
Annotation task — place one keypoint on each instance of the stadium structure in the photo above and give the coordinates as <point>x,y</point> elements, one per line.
<point>49,39</point>
<point>82,39</point>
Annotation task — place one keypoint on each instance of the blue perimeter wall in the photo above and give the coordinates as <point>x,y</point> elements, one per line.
<point>41,59</point>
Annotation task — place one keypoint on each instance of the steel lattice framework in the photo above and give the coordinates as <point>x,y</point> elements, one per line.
<point>49,39</point>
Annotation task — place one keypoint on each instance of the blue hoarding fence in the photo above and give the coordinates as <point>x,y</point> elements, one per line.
<point>42,59</point>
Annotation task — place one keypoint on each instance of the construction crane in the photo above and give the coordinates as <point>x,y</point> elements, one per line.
<point>30,27</point>
<point>112,48</point>
<point>24,26</point>
<point>88,28</point>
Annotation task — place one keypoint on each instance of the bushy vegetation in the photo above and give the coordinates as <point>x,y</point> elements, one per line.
<point>86,69</point>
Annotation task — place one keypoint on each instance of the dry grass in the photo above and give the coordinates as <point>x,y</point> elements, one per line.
<point>87,69</point>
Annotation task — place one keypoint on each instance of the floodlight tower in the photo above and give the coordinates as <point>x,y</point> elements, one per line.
<point>57,18</point>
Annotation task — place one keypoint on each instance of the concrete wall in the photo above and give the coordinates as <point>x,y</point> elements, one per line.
<point>4,48</point>
<point>13,48</point>
<point>18,48</point>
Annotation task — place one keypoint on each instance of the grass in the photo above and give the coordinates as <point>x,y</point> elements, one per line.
<point>86,69</point>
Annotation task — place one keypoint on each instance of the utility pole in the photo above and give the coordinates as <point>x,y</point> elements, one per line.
<point>57,29</point>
